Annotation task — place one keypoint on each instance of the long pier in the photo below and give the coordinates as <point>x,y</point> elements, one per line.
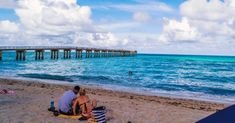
<point>55,50</point>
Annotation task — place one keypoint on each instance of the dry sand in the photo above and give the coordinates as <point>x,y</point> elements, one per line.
<point>32,99</point>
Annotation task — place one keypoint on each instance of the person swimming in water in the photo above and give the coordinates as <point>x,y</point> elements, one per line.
<point>130,73</point>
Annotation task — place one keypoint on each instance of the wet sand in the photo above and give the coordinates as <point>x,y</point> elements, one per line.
<point>32,99</point>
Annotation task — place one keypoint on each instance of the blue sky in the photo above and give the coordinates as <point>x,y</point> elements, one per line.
<point>7,13</point>
<point>102,13</point>
<point>122,14</point>
<point>173,3</point>
<point>152,26</point>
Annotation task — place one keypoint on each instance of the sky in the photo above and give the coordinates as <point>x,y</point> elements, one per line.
<point>202,27</point>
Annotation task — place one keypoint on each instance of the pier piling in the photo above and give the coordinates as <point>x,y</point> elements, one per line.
<point>78,53</point>
<point>108,53</point>
<point>96,53</point>
<point>88,53</point>
<point>67,54</point>
<point>20,55</point>
<point>54,54</point>
<point>39,54</point>
<point>0,55</point>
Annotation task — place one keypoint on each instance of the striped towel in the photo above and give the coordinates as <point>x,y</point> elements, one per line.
<point>99,114</point>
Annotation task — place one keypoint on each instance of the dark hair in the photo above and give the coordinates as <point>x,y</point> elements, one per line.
<point>77,88</point>
<point>82,92</point>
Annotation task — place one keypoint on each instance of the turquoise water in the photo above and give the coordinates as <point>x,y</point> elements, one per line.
<point>201,77</point>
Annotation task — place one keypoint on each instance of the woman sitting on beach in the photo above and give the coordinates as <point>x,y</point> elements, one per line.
<point>84,103</point>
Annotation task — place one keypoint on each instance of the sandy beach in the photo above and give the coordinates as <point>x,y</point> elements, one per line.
<point>32,98</point>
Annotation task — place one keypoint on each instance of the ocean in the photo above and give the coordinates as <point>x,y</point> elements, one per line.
<point>209,78</point>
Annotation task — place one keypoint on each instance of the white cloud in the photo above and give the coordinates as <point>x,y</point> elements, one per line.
<point>148,6</point>
<point>141,10</point>
<point>8,4</point>
<point>141,16</point>
<point>8,27</point>
<point>203,21</point>
<point>53,17</point>
<point>212,10</point>
<point>100,40</point>
<point>207,25</point>
<point>213,18</point>
<point>46,22</point>
<point>178,31</point>
<point>139,41</point>
<point>103,39</point>
<point>57,22</point>
<point>114,26</point>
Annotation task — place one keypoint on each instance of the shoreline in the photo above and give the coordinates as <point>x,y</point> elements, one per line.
<point>32,99</point>
<point>142,91</point>
<point>191,103</point>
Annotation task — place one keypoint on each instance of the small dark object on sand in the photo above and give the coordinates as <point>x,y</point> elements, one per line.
<point>52,109</point>
<point>131,97</point>
<point>83,118</point>
<point>43,86</point>
<point>56,113</point>
<point>128,121</point>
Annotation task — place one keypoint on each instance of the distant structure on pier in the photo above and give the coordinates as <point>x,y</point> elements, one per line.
<point>89,52</point>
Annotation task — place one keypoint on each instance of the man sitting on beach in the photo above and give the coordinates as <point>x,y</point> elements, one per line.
<point>65,102</point>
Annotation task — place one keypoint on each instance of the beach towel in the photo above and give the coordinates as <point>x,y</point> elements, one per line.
<point>69,116</point>
<point>99,114</point>
<point>4,91</point>
<point>75,117</point>
<point>57,114</point>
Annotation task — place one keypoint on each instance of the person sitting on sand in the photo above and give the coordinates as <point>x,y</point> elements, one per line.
<point>66,101</point>
<point>84,103</point>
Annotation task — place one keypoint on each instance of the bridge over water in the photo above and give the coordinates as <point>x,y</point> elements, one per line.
<point>54,50</point>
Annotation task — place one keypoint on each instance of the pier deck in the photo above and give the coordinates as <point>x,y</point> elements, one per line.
<point>90,52</point>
